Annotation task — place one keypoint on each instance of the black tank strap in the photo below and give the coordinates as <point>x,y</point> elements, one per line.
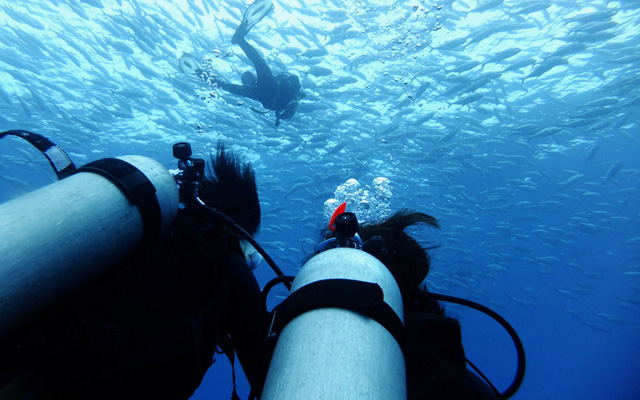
<point>226,345</point>
<point>135,185</point>
<point>59,160</point>
<point>363,297</point>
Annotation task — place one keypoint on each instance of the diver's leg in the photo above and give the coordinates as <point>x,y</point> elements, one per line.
<point>265,77</point>
<point>249,321</point>
<point>254,13</point>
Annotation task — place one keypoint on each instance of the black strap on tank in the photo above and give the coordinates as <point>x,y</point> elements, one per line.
<point>226,345</point>
<point>365,298</point>
<point>59,160</point>
<point>135,185</point>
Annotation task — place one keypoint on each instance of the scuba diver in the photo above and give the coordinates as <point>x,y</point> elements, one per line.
<point>434,356</point>
<point>281,93</point>
<point>432,344</point>
<point>149,326</point>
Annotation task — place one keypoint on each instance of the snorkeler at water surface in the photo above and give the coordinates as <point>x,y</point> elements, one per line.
<point>281,93</point>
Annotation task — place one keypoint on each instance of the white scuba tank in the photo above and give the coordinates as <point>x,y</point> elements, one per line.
<point>333,353</point>
<point>56,238</point>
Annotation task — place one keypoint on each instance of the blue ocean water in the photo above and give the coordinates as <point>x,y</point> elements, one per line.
<point>514,123</point>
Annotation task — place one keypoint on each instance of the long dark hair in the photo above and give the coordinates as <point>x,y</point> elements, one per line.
<point>230,187</point>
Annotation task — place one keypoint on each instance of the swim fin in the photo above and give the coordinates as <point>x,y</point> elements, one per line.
<point>255,12</point>
<point>190,66</point>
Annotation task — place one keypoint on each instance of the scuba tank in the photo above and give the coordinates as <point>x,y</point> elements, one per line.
<point>340,327</point>
<point>59,237</point>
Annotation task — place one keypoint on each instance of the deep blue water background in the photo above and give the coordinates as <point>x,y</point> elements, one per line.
<point>560,264</point>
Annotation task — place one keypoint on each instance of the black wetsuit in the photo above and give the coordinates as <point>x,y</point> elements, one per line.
<point>149,327</point>
<point>279,93</point>
<point>433,352</point>
<point>435,360</point>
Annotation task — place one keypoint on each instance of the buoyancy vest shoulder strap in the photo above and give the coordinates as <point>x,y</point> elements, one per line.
<point>59,160</point>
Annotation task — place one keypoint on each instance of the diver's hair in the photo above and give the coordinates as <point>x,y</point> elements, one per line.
<point>230,187</point>
<point>407,260</point>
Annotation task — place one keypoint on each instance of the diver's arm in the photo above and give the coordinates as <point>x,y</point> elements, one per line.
<point>252,92</point>
<point>482,390</point>
<point>288,111</point>
<point>249,320</point>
